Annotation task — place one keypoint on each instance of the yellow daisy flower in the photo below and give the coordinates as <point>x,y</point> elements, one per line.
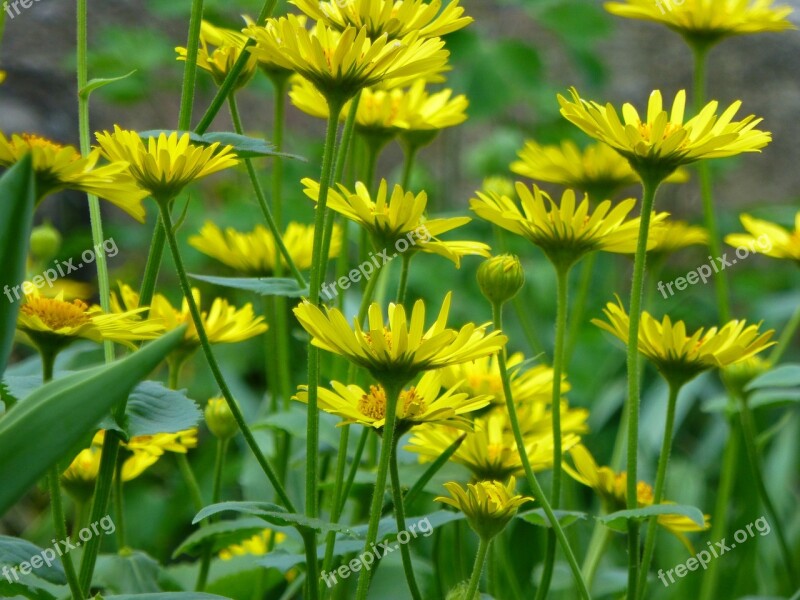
<point>611,487</point>
<point>398,350</point>
<point>663,141</point>
<point>487,505</point>
<point>219,61</point>
<point>398,218</point>
<point>340,64</point>
<point>58,167</point>
<point>257,545</point>
<point>394,18</point>
<point>166,164</point>
<point>421,403</point>
<point>781,243</point>
<point>156,445</point>
<point>671,236</point>
<point>707,21</point>
<point>254,252</point>
<point>679,356</point>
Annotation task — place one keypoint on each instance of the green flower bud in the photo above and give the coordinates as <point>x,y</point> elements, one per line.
<point>45,242</point>
<point>219,419</point>
<point>500,278</point>
<point>741,373</point>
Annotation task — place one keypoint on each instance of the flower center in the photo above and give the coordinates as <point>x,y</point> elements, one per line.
<point>647,132</point>
<point>57,314</point>
<point>486,383</point>
<point>373,404</point>
<point>387,338</point>
<point>35,141</point>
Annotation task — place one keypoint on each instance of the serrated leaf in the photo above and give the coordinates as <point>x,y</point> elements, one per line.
<point>271,513</point>
<point>13,551</point>
<point>265,286</point>
<point>538,517</point>
<point>619,520</point>
<point>245,147</point>
<point>222,534</point>
<point>153,408</point>
<point>780,377</point>
<point>96,84</point>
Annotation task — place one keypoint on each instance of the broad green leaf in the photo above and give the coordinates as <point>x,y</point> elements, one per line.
<point>782,376</point>
<point>17,199</point>
<point>245,147</point>
<point>40,431</point>
<point>32,588</point>
<point>619,520</point>
<point>565,517</point>
<point>96,84</point>
<point>222,534</point>
<point>153,408</point>
<point>271,513</point>
<point>132,572</point>
<point>266,286</point>
<point>14,551</point>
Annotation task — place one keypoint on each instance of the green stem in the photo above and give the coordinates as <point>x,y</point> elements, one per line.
<point>658,492</point>
<point>418,487</point>
<point>533,482</point>
<point>579,309</point>
<point>597,545</point>
<point>190,66</point>
<point>650,187</point>
<point>392,390</point>
<point>477,570</point>
<point>403,285</point>
<point>154,256</point>
<point>190,480</point>
<point>502,551</point>
<point>119,505</point>
<point>408,164</point>
<point>786,337</point>
<point>528,330</point>
<point>399,513</point>
<point>216,496</point>
<point>351,475</point>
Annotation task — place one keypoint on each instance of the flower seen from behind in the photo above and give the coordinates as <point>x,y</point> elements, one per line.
<point>784,243</point>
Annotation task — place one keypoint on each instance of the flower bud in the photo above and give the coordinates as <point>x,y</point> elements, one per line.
<point>45,242</point>
<point>219,419</point>
<point>500,278</point>
<point>741,373</point>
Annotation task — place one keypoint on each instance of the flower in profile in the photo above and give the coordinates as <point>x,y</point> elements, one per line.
<point>768,238</point>
<point>679,356</point>
<point>424,402</point>
<point>396,19</point>
<point>156,445</point>
<point>256,545</point>
<point>487,505</point>
<point>166,164</point>
<point>671,236</point>
<point>53,323</point>
<point>662,142</point>
<point>564,231</point>
<point>58,167</point>
<point>219,61</point>
<point>597,169</point>
<point>255,252</point>
<point>703,22</point>
<point>400,349</point>
<point>611,487</point>
<point>399,216</point>
<point>340,64</point>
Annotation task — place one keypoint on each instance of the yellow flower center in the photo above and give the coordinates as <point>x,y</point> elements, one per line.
<point>387,338</point>
<point>34,141</point>
<point>56,314</point>
<point>486,383</point>
<point>373,404</point>
<point>646,130</point>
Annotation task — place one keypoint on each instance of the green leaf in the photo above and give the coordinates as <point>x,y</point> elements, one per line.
<point>168,596</point>
<point>153,408</point>
<point>782,376</point>
<point>96,84</point>
<point>564,517</point>
<point>266,286</point>
<point>13,551</point>
<point>619,520</point>
<point>271,513</point>
<point>221,534</point>
<point>245,147</point>
<point>37,433</point>
<point>132,572</point>
<point>31,587</point>
<point>17,199</point>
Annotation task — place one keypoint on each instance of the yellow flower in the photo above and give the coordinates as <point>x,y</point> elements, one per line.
<point>156,445</point>
<point>166,164</point>
<point>257,545</point>
<point>55,323</point>
<point>768,238</point>
<point>220,61</point>
<point>705,21</point>
<point>60,167</point>
<point>391,17</point>
<point>398,218</point>
<point>564,232</point>
<point>670,236</point>
<point>224,324</point>
<point>597,169</point>
<point>340,64</point>
<point>255,252</point>
<point>400,349</point>
<point>611,487</point>
<point>421,403</point>
<point>663,141</point>
<point>487,505</point>
<point>679,356</point>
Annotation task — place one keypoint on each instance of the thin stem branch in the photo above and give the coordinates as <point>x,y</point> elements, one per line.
<point>190,66</point>
<point>399,513</point>
<point>403,285</point>
<point>477,570</point>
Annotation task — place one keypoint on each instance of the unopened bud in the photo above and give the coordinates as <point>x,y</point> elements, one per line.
<point>219,419</point>
<point>45,242</point>
<point>500,278</point>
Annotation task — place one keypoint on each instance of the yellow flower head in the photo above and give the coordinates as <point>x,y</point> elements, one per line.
<point>255,252</point>
<point>399,217</point>
<point>60,167</point>
<point>612,488</point>
<point>224,324</point>
<point>707,21</point>
<point>487,505</point>
<point>166,164</point>
<point>564,231</point>
<point>156,445</point>
<point>663,141</point>
<point>340,64</point>
<point>671,236</point>
<point>679,356</point>
<point>55,323</point>
<point>768,238</point>
<point>424,402</point>
<point>394,18</point>
<point>257,545</point>
<point>219,62</point>
<point>597,169</point>
<point>400,349</point>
